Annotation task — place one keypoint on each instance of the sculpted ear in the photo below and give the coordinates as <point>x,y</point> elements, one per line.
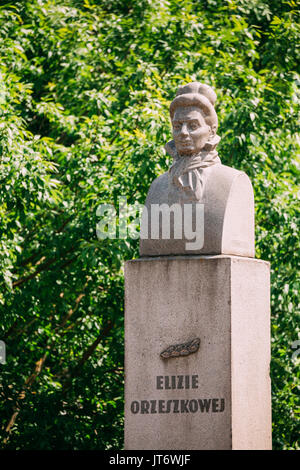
<point>213,130</point>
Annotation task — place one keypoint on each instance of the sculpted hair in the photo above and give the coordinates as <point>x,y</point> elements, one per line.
<point>197,95</point>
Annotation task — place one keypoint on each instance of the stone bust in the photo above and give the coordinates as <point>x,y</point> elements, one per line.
<point>198,178</point>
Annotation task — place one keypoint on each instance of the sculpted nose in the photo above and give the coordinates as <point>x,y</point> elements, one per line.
<point>184,130</point>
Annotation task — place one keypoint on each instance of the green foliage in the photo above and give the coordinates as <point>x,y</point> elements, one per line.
<point>84,94</point>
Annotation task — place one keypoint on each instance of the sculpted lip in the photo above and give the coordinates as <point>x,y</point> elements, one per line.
<point>184,142</point>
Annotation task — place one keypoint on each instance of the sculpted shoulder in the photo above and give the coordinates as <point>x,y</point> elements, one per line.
<point>226,175</point>
<point>158,191</point>
<point>226,171</point>
<point>160,181</point>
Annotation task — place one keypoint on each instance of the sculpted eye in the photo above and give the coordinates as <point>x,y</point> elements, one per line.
<point>176,127</point>
<point>194,126</point>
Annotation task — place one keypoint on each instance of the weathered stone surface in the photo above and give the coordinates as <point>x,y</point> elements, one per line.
<point>197,176</point>
<point>228,215</point>
<point>219,396</point>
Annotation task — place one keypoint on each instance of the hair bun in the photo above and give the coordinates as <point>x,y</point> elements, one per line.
<point>198,88</point>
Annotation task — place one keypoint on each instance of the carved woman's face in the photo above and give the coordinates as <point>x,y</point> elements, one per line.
<point>190,132</point>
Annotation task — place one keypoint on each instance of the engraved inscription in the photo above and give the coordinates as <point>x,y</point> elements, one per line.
<point>202,405</point>
<point>178,382</point>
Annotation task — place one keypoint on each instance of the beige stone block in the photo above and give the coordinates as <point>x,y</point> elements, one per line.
<point>228,223</point>
<point>218,397</point>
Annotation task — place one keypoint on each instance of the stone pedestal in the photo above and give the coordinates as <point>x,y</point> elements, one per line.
<point>218,397</point>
